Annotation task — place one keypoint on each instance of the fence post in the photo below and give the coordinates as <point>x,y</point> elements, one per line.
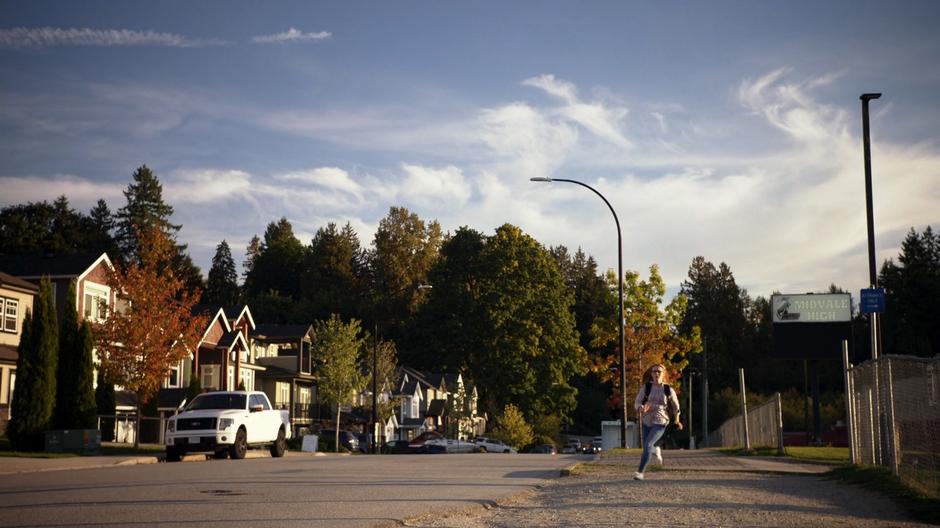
<point>779,416</point>
<point>849,419</point>
<point>747,438</point>
<point>874,428</point>
<point>893,446</point>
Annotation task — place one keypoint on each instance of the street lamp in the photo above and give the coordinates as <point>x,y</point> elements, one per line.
<point>375,368</point>
<point>623,363</point>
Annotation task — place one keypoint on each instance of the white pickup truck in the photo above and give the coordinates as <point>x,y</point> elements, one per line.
<point>227,424</point>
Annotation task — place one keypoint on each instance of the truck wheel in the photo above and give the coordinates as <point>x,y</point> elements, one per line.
<point>173,455</point>
<point>280,445</point>
<point>240,447</point>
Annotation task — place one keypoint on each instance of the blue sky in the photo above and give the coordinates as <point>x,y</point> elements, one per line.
<point>730,130</point>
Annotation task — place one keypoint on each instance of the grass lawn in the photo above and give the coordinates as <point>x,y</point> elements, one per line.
<point>107,448</point>
<point>831,455</point>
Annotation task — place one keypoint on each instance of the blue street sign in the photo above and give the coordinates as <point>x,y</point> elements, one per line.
<point>872,300</point>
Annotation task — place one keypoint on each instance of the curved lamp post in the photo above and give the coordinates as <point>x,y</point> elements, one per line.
<point>623,363</point>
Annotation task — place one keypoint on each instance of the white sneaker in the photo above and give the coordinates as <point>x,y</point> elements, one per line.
<point>638,476</point>
<point>658,455</point>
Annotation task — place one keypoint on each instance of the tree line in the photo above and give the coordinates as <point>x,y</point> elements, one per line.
<point>528,325</point>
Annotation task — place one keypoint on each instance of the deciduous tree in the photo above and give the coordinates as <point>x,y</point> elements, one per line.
<point>337,346</point>
<point>511,427</point>
<point>138,344</point>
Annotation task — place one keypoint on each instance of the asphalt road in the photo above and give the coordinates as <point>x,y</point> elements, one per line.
<point>298,490</point>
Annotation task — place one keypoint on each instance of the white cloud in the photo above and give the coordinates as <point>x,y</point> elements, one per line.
<point>290,36</point>
<point>207,186</point>
<point>562,89</point>
<point>332,178</point>
<point>81,192</point>
<point>44,37</point>
<point>441,189</point>
<point>596,117</point>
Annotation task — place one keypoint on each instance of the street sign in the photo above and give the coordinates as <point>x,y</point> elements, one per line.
<point>872,300</point>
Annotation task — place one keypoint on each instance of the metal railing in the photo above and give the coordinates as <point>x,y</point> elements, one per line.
<point>894,418</point>
<point>764,427</point>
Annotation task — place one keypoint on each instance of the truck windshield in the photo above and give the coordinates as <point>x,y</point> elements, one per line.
<point>217,401</point>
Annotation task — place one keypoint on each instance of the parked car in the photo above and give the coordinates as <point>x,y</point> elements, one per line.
<point>347,439</point>
<point>545,449</point>
<point>492,445</point>
<point>365,442</point>
<point>573,446</point>
<point>399,447</point>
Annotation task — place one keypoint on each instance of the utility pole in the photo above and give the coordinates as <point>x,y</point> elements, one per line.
<point>872,272</point>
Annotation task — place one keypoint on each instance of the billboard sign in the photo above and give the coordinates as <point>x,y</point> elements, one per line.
<point>811,326</point>
<point>812,308</point>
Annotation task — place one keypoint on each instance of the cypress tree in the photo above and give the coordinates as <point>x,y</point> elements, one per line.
<point>86,409</point>
<point>65,406</point>
<point>194,389</point>
<point>36,384</point>
<point>22,394</point>
<point>107,404</point>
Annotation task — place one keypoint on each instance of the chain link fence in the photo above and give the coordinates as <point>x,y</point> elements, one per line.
<point>764,427</point>
<point>894,411</point>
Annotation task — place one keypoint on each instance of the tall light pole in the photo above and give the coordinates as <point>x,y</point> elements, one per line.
<point>623,363</point>
<point>872,274</point>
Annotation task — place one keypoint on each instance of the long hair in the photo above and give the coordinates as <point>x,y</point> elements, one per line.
<point>648,374</point>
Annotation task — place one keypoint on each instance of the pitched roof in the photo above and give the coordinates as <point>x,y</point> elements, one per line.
<point>9,281</point>
<point>53,265</point>
<point>276,332</point>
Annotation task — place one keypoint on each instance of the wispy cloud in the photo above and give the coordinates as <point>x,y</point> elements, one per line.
<point>292,35</point>
<point>45,37</point>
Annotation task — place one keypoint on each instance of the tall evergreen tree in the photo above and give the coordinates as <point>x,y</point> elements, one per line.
<point>277,267</point>
<point>66,388</point>
<point>146,210</point>
<point>911,287</point>
<point>222,285</point>
<point>332,279</point>
<point>404,249</point>
<point>33,408</point>
<point>86,408</point>
<point>717,306</point>
<point>106,403</point>
<point>101,226</point>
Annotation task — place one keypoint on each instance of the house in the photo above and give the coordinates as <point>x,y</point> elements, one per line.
<point>437,402</point>
<point>90,271</point>
<point>286,354</point>
<point>16,297</point>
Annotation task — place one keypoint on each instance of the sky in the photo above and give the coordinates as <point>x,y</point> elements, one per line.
<point>729,129</point>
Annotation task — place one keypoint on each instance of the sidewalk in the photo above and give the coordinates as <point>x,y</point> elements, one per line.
<point>709,460</point>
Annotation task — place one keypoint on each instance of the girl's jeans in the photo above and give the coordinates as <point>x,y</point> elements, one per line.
<point>651,435</point>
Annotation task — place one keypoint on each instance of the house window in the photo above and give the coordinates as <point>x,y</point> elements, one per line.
<point>247,378</point>
<point>414,407</point>
<point>96,303</point>
<point>173,380</point>
<point>210,377</point>
<point>230,379</point>
<point>9,309</point>
<point>283,395</point>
